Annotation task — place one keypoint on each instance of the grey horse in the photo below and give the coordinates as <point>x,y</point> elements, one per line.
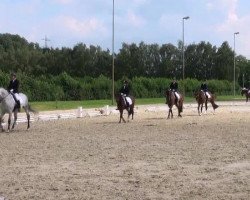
<point>7,105</point>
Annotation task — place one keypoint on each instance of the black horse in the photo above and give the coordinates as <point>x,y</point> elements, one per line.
<point>122,105</point>
<point>246,92</point>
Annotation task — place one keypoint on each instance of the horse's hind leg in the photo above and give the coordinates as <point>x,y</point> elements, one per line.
<point>28,116</point>
<point>15,119</point>
<point>206,107</point>
<point>179,112</point>
<point>132,113</point>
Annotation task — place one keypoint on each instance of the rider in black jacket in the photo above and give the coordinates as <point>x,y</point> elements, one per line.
<point>13,88</point>
<point>174,88</point>
<point>125,88</point>
<point>124,91</point>
<point>204,89</point>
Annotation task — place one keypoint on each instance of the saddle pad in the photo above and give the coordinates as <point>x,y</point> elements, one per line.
<point>129,100</point>
<point>19,98</point>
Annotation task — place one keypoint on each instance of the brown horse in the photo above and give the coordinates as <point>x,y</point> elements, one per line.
<point>121,105</point>
<point>202,99</point>
<point>245,91</point>
<point>172,100</point>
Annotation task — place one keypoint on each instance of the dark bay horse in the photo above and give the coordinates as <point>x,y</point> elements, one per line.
<point>202,99</point>
<point>171,100</point>
<point>245,91</point>
<point>7,105</point>
<point>121,105</point>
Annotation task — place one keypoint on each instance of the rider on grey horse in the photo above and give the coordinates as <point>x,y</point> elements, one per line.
<point>13,89</point>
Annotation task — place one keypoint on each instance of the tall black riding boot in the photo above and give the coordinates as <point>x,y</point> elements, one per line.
<point>18,105</point>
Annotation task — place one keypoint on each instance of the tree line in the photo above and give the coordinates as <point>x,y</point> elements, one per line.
<point>84,64</point>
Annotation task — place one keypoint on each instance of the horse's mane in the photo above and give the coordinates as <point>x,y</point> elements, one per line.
<point>3,91</point>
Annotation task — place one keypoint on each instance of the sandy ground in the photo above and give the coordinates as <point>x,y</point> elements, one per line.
<point>193,157</point>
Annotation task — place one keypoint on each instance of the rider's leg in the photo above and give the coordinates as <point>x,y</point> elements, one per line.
<point>208,95</point>
<point>17,101</point>
<point>177,97</point>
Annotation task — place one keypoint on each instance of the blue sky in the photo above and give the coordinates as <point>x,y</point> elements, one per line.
<point>68,22</point>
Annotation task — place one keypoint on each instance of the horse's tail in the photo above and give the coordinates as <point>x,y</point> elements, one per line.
<point>214,104</point>
<point>32,110</point>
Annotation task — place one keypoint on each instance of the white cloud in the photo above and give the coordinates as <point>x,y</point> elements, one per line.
<point>140,2</point>
<point>135,20</point>
<point>234,23</point>
<point>82,28</point>
<point>63,1</point>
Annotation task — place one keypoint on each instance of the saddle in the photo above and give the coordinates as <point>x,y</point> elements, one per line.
<point>17,101</point>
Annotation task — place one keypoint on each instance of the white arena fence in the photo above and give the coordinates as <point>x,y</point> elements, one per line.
<point>107,110</point>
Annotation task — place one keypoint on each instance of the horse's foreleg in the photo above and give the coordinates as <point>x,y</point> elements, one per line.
<point>201,108</point>
<point>121,112</point>
<point>169,112</point>
<point>9,121</point>
<point>1,125</point>
<point>121,117</point>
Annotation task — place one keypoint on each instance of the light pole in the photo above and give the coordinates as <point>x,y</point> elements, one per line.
<point>236,33</point>
<point>183,59</point>
<point>243,80</point>
<point>113,54</point>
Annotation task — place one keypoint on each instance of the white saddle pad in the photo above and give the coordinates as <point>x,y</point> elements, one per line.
<point>129,100</point>
<point>18,97</point>
<point>208,95</point>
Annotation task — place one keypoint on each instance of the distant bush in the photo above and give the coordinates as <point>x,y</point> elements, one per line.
<point>65,87</point>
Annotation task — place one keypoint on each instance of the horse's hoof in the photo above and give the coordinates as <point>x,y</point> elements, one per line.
<point>7,131</point>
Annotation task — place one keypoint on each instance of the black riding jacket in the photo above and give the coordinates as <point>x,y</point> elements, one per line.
<point>204,87</point>
<point>174,86</point>
<point>14,84</point>
<point>125,89</point>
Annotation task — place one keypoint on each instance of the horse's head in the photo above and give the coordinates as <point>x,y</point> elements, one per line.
<point>169,95</point>
<point>117,97</point>
<point>243,91</point>
<point>3,94</point>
